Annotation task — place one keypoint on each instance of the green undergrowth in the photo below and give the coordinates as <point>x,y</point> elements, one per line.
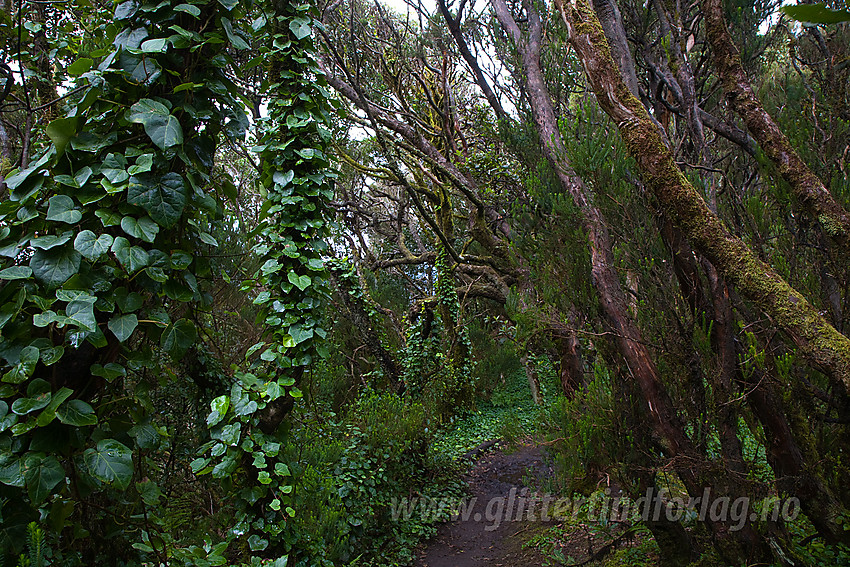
<point>352,471</point>
<point>509,414</point>
<point>636,550</point>
<point>354,468</point>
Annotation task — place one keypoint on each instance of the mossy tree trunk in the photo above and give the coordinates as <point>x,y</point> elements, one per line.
<point>807,187</point>
<point>664,420</point>
<point>824,347</point>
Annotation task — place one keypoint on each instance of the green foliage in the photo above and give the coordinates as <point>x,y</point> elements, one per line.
<point>377,454</point>
<point>812,550</point>
<point>816,14</point>
<point>586,432</point>
<point>37,552</point>
<point>509,414</point>
<point>456,381</point>
<point>296,181</point>
<point>104,239</point>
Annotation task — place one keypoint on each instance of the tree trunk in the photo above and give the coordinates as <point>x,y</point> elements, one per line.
<point>817,340</point>
<point>570,367</point>
<point>735,546</point>
<point>807,187</point>
<point>786,457</point>
<point>533,379</point>
<point>358,313</point>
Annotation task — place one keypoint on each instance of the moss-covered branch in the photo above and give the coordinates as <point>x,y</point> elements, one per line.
<point>817,339</point>
<point>807,187</point>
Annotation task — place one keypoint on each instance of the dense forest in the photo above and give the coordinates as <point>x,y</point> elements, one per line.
<point>270,267</point>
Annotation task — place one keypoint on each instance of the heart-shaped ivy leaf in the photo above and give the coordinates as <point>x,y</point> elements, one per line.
<point>123,326</point>
<point>161,126</point>
<point>163,199</point>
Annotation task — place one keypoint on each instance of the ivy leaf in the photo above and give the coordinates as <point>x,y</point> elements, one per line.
<point>189,9</point>
<point>299,334</point>
<point>114,168</point>
<point>107,217</point>
<point>228,4</point>
<point>25,367</point>
<point>76,413</point>
<point>14,180</point>
<point>16,273</point>
<point>125,10</point>
<point>180,260</point>
<point>61,131</point>
<point>157,274</point>
<point>234,38</point>
<point>300,27</point>
<point>178,337</point>
<point>283,179</point>
<point>49,241</point>
<point>49,412</point>
<point>128,302</point>
<point>142,70</point>
<point>52,355</point>
<point>7,311</point>
<point>12,474</point>
<point>82,312</point>
<point>218,409</point>
<point>53,267</point>
<point>23,406</point>
<point>61,209</point>
<point>111,462</point>
<point>75,295</point>
<point>109,372</point>
<point>301,282</point>
<point>143,228</point>
<point>78,67</point>
<point>91,246</point>
<point>42,474</point>
<point>164,201</point>
<point>154,45</point>
<point>146,436</point>
<point>133,258</point>
<point>161,126</point>
<point>123,326</point>
<point>256,543</point>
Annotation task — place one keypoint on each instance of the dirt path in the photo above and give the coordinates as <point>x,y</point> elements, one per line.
<point>500,517</point>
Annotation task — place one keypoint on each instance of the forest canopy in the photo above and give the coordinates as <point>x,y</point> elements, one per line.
<point>268,266</point>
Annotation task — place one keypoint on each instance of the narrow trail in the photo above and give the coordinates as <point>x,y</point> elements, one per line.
<point>502,516</point>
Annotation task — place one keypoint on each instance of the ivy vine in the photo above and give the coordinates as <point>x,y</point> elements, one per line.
<point>103,241</point>
<point>297,179</point>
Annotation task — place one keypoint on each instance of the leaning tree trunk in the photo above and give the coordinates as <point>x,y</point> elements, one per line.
<point>814,336</point>
<point>533,379</point>
<point>807,187</point>
<point>735,546</point>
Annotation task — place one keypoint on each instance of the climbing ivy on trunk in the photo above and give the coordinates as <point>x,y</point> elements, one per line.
<point>297,180</point>
<point>103,241</point>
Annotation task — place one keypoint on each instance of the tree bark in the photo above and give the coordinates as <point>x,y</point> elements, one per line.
<point>807,187</point>
<point>817,340</point>
<point>605,278</point>
<point>786,456</point>
<point>612,22</point>
<point>570,367</point>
